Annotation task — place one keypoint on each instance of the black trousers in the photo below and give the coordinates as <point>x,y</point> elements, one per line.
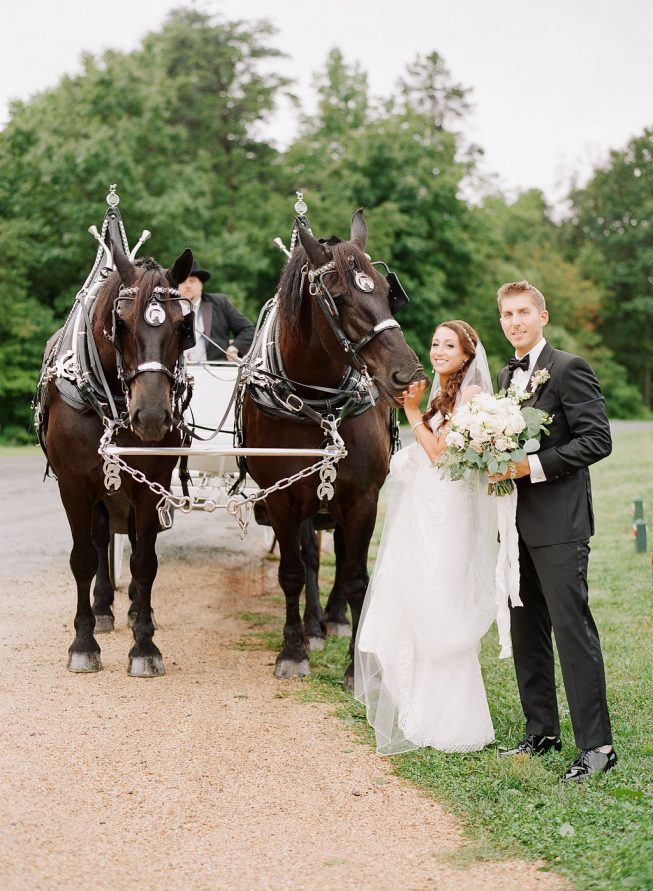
<point>553,588</point>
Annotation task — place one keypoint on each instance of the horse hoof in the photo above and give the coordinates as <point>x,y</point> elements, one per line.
<point>348,683</point>
<point>146,666</point>
<point>131,621</point>
<point>286,668</point>
<point>338,629</point>
<point>84,662</point>
<point>315,644</point>
<point>103,624</point>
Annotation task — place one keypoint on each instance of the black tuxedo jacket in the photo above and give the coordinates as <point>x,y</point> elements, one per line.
<point>560,509</point>
<point>220,317</point>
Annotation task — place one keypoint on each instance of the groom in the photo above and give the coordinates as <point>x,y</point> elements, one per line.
<point>555,522</point>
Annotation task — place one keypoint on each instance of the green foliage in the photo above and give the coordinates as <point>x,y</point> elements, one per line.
<point>399,162</point>
<point>25,326</point>
<point>428,90</point>
<point>343,99</point>
<point>611,235</point>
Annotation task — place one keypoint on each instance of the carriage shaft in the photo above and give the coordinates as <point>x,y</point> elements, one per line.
<point>138,451</point>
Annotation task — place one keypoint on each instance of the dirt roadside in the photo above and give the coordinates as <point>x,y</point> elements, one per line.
<point>208,778</point>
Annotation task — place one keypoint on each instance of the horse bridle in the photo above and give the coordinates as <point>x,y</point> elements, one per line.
<point>318,289</point>
<point>158,297</point>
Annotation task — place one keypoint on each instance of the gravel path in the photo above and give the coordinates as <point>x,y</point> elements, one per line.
<point>211,777</point>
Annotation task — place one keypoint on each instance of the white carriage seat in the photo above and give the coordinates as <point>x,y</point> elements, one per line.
<point>213,387</point>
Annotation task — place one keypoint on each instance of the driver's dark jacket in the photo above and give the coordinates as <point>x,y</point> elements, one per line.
<point>222,321</point>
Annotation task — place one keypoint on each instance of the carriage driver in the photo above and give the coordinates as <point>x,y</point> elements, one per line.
<point>216,316</point>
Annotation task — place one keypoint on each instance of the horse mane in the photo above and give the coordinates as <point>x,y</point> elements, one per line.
<point>149,275</point>
<point>290,283</point>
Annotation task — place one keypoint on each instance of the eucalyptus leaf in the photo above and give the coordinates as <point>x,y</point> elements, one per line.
<point>531,415</point>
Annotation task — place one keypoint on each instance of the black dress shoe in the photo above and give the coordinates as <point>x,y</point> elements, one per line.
<point>588,762</point>
<point>533,745</point>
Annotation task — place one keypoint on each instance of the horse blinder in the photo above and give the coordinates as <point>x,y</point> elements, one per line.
<point>397,297</point>
<point>114,336</point>
<point>187,332</point>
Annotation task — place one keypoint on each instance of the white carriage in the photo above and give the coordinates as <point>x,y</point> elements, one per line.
<point>212,465</point>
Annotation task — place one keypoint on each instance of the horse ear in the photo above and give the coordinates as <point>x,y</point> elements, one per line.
<point>358,229</point>
<point>316,252</point>
<point>125,267</point>
<point>180,269</point>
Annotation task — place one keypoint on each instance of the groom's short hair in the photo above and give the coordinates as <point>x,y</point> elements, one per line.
<point>517,289</point>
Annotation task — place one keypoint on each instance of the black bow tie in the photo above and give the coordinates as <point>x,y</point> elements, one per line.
<point>516,363</point>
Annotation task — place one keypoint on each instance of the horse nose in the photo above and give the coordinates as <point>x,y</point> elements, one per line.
<point>403,377</point>
<point>151,424</point>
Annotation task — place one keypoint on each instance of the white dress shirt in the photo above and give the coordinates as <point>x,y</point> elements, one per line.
<point>518,382</point>
<point>198,352</point>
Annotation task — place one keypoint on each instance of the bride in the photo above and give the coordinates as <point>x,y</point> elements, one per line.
<point>431,595</point>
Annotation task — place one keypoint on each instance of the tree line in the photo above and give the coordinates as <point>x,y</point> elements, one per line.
<point>177,124</point>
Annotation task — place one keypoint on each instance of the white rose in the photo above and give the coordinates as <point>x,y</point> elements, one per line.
<point>515,424</point>
<point>504,444</point>
<point>506,407</point>
<point>462,416</point>
<point>455,439</point>
<point>495,425</point>
<point>484,402</point>
<point>479,433</point>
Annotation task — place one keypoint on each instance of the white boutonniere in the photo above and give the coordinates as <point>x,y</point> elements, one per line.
<point>539,377</point>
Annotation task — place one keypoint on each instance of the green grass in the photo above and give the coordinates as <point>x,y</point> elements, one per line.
<point>256,619</point>
<point>598,835</point>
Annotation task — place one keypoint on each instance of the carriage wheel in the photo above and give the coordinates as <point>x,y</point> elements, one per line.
<point>116,550</point>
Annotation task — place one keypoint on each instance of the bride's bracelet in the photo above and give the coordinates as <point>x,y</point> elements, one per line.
<point>414,427</point>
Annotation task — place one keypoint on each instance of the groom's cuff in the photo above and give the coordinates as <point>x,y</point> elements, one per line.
<point>537,474</point>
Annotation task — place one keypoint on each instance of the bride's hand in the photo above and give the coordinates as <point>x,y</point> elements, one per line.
<point>412,397</point>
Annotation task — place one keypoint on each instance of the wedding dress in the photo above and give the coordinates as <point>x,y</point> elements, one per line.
<point>429,602</point>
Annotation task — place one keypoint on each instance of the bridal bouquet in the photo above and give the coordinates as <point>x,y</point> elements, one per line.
<point>491,434</point>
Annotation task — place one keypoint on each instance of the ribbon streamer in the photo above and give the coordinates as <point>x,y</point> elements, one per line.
<point>507,569</point>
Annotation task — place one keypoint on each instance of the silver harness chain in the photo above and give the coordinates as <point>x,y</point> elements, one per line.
<point>238,507</point>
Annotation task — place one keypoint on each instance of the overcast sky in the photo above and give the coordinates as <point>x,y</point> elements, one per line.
<point>555,85</point>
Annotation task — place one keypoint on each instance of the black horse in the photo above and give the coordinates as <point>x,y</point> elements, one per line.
<point>140,330</point>
<point>334,311</point>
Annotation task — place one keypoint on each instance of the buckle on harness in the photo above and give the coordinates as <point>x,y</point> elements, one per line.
<point>296,405</point>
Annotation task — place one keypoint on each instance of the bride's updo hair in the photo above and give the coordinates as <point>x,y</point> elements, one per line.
<point>445,399</point>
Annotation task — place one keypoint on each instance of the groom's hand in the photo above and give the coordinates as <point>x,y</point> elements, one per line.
<point>521,468</point>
